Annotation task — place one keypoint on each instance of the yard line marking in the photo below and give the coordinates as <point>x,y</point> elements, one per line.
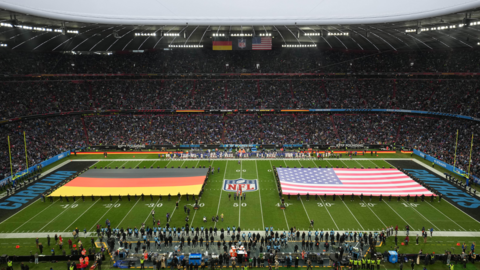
<point>374,213</point>
<point>98,221</point>
<point>374,164</point>
<point>353,215</point>
<point>326,206</point>
<point>240,198</point>
<point>279,192</point>
<point>197,163</point>
<point>182,164</point>
<point>345,164</point>
<point>123,164</point>
<point>445,215</point>
<point>80,215</point>
<point>411,228</point>
<point>305,209</point>
<point>173,212</point>
<point>34,216</point>
<point>259,195</point>
<point>440,174</point>
<point>329,163</point>
<point>56,216</point>
<point>358,163</point>
<point>221,190</point>
<point>128,213</point>
<point>329,213</point>
<point>426,219</point>
<point>416,209</point>
<point>199,199</point>
<point>154,209</point>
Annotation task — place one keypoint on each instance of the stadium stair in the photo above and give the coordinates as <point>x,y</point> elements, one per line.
<point>87,141</point>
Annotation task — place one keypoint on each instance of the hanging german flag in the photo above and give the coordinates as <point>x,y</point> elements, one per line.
<point>105,182</point>
<point>222,45</point>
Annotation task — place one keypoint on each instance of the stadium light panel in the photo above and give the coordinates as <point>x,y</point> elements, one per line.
<point>3,45</point>
<point>218,34</point>
<point>337,34</point>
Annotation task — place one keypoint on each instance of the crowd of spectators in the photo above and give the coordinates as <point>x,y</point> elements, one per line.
<point>279,129</point>
<point>207,61</point>
<point>446,96</point>
<point>154,129</point>
<point>45,139</point>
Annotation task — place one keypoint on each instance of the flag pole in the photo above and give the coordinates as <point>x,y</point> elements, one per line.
<point>470,160</point>
<point>10,157</point>
<point>455,157</point>
<point>26,156</point>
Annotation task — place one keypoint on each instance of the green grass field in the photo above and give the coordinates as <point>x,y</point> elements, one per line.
<point>260,209</point>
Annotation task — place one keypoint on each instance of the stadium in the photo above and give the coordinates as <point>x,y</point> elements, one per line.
<point>290,133</point>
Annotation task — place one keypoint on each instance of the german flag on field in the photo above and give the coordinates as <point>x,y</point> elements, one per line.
<point>104,182</point>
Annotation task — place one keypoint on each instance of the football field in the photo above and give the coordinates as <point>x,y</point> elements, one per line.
<point>260,209</point>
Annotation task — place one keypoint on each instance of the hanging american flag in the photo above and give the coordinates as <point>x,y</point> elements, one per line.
<point>261,43</point>
<point>347,181</point>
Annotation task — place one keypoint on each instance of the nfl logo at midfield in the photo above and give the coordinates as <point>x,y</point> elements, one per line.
<point>243,184</point>
<point>242,43</point>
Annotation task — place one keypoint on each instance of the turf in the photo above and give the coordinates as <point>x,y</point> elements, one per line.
<point>259,210</point>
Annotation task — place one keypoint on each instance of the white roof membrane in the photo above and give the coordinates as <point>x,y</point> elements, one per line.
<point>235,12</point>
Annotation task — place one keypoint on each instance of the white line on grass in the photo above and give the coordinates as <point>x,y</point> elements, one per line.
<point>35,216</point>
<point>20,211</point>
<point>358,163</point>
<point>374,213</point>
<point>329,163</point>
<point>374,164</point>
<point>353,215</point>
<point>445,215</point>
<point>155,205</point>
<point>259,195</point>
<point>80,216</point>
<point>426,219</point>
<point>329,213</point>
<point>98,221</point>
<point>240,197</point>
<point>326,206</point>
<point>279,192</point>
<point>345,164</point>
<point>440,174</point>
<point>199,199</point>
<point>196,165</point>
<point>221,190</point>
<point>128,212</point>
<point>411,228</point>
<point>305,209</point>
<point>56,217</point>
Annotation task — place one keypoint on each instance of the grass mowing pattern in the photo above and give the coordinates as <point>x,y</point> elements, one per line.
<point>260,209</point>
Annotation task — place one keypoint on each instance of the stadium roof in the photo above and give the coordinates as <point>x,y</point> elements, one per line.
<point>374,25</point>
<point>251,12</point>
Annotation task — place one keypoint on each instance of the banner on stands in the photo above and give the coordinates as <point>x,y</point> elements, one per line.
<point>444,165</point>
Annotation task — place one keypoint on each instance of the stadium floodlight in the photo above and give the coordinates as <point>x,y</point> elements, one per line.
<point>145,34</point>
<point>338,34</point>
<point>5,24</point>
<point>171,34</point>
<point>265,34</point>
<point>218,34</point>
<point>72,31</point>
<point>312,34</point>
<point>3,45</point>
<point>299,45</point>
<point>241,35</point>
<point>185,46</point>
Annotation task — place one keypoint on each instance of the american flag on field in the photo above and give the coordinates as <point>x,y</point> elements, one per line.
<point>347,181</point>
<point>262,43</point>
